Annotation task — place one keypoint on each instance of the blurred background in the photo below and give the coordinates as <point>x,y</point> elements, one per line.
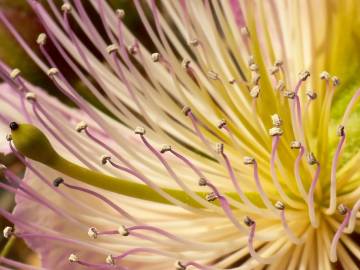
<point>25,21</point>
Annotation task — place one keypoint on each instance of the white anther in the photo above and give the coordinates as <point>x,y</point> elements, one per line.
<point>202,182</point>
<point>212,75</point>
<point>52,71</point>
<point>335,80</point>
<point>324,75</point>
<point>81,126</point>
<point>120,13</point>
<point>8,137</point>
<point>7,232</point>
<point>93,233</point>
<point>194,42</point>
<point>289,94</point>
<point>295,145</point>
<point>132,49</point>
<point>275,131</point>
<point>342,209</point>
<point>304,75</point>
<point>30,96</point>
<point>104,159</point>
<point>222,123</point>
<point>211,197</point>
<point>249,160</point>
<point>276,120</point>
<point>110,260</point>
<point>15,73</point>
<point>220,148</point>
<point>251,60</point>
<point>340,131</point>
<point>139,131</point>
<point>254,67</point>
<point>255,78</point>
<point>278,63</point>
<point>273,70</point>
<point>310,158</point>
<point>311,94</point>
<point>155,57</point>
<point>73,258</point>
<point>185,64</point>
<point>280,86</point>
<point>41,39</point>
<point>123,230</point>
<point>111,48</point>
<point>248,221</point>
<point>244,31</point>
<point>66,7</point>
<point>165,148</point>
<point>179,266</point>
<point>279,205</point>
<point>255,91</point>
<point>186,110</point>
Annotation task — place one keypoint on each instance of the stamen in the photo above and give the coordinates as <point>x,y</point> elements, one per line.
<point>255,91</point>
<point>311,204</point>
<point>14,126</point>
<point>120,13</point>
<point>179,266</point>
<point>93,233</point>
<point>311,94</point>
<point>275,131</point>
<point>8,231</point>
<point>110,260</point>
<point>15,73</point>
<point>41,39</point>
<point>297,145</point>
<point>324,75</point>
<point>276,120</point>
<point>343,210</point>
<point>81,126</point>
<point>155,57</point>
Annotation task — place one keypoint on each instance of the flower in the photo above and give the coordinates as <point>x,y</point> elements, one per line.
<point>213,153</point>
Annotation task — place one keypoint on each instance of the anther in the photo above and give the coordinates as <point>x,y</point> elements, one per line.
<point>8,137</point>
<point>120,13</point>
<point>139,131</point>
<point>249,160</point>
<point>165,148</point>
<point>110,260</point>
<point>289,94</point>
<point>220,148</point>
<point>244,31</point>
<point>311,94</point>
<point>211,197</point>
<point>212,75</point>
<point>340,131</point>
<point>335,81</point>
<point>304,75</point>
<point>104,159</point>
<point>251,60</point>
<point>52,72</point>
<point>15,73</point>
<point>186,110</point>
<point>202,182</point>
<point>280,86</point>
<point>7,232</point>
<point>255,91</point>
<point>58,181</point>
<point>2,168</point>
<point>66,7</point>
<point>185,64</point>
<point>342,209</point>
<point>93,233</point>
<point>41,39</point>
<point>232,81</point>
<point>81,126</point>
<point>194,42</point>
<point>278,63</point>
<point>132,49</point>
<point>248,221</point>
<point>273,70</point>
<point>221,124</point>
<point>295,145</point>
<point>13,126</point>
<point>310,158</point>
<point>111,48</point>
<point>123,230</point>
<point>279,205</point>
<point>325,75</point>
<point>256,78</point>
<point>275,131</point>
<point>155,57</point>
<point>276,120</point>
<point>30,96</point>
<point>179,266</point>
<point>73,258</point>
<point>254,67</point>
